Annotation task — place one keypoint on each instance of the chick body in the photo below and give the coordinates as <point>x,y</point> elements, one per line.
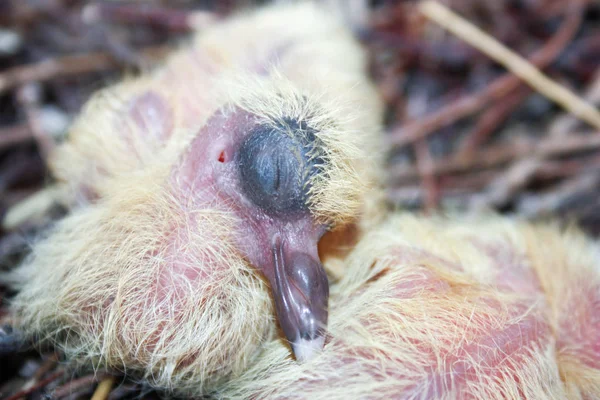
<point>150,272</point>
<point>434,308</point>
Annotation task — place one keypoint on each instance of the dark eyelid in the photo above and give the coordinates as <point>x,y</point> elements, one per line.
<point>274,169</point>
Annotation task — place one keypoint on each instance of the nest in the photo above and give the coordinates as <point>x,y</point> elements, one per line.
<point>464,133</point>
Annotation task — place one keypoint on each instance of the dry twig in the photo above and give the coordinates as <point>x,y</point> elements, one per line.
<point>495,90</point>
<point>104,388</point>
<point>66,66</point>
<point>512,61</point>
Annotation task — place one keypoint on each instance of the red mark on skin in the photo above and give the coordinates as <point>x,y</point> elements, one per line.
<point>222,156</point>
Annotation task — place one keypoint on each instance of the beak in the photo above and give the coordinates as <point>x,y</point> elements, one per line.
<point>301,291</point>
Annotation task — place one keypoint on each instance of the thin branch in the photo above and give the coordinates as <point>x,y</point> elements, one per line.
<point>172,19</point>
<point>428,180</point>
<point>75,385</point>
<point>503,85</point>
<point>38,385</point>
<point>66,66</point>
<point>491,119</point>
<point>14,135</point>
<point>504,153</point>
<point>104,388</point>
<point>566,123</point>
<point>512,61</point>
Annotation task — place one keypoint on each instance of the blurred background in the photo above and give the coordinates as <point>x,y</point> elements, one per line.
<point>462,133</point>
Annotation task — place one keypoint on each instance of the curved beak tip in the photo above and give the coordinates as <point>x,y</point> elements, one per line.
<point>305,350</point>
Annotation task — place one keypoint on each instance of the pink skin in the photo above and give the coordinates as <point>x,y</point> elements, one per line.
<point>433,330</point>
<point>490,345</point>
<point>283,247</point>
<point>486,343</point>
<point>579,325</point>
<point>275,245</point>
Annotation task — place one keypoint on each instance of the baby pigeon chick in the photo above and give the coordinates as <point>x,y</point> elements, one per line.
<point>191,183</point>
<point>434,308</point>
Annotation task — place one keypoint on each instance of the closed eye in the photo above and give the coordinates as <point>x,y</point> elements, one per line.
<point>272,169</point>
